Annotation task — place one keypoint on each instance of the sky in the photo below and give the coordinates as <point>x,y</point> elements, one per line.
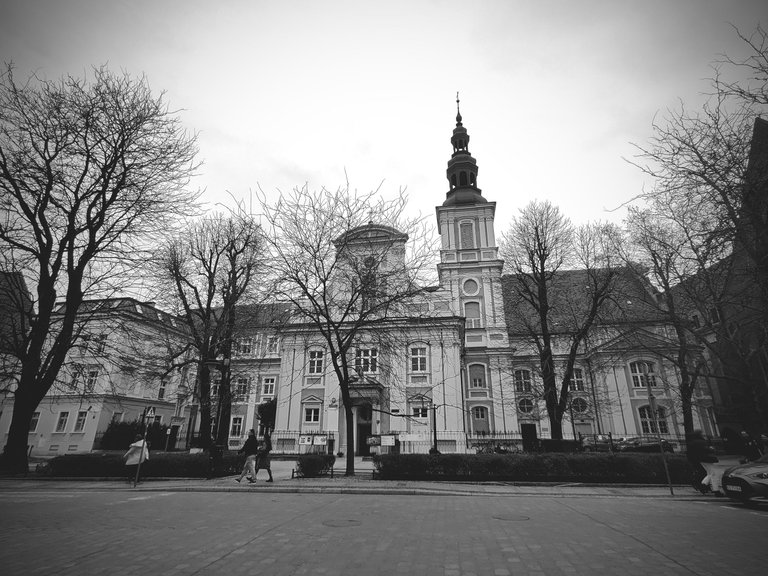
<point>282,94</point>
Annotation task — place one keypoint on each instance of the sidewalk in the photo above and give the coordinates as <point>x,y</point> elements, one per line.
<point>361,483</point>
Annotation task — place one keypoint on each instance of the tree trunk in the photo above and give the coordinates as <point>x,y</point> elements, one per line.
<point>15,453</point>
<point>350,425</point>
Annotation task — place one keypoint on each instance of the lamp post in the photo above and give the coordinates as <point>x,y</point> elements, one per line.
<point>433,409</point>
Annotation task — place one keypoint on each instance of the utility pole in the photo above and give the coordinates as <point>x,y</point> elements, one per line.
<point>433,408</point>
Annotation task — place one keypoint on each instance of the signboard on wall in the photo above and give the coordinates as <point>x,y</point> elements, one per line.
<point>305,440</point>
<point>374,441</point>
<point>388,440</point>
<point>320,440</point>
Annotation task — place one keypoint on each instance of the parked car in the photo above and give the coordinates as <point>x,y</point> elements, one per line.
<point>642,444</point>
<point>598,443</point>
<point>747,481</point>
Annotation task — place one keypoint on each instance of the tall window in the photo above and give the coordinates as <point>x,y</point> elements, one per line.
<point>215,387</point>
<point>241,388</point>
<point>100,344</point>
<point>472,314</point>
<point>480,413</point>
<point>34,421</point>
<point>522,381</point>
<point>61,423</point>
<point>477,376</point>
<point>647,423</point>
<point>245,345</point>
<point>637,369</point>
<point>366,360</point>
<point>418,359</point>
<point>273,344</point>
<point>577,380</point>
<point>90,379</point>
<point>80,422</point>
<point>237,426</point>
<point>268,386</point>
<point>161,389</point>
<point>315,362</point>
<point>420,412</point>
<point>466,230</point>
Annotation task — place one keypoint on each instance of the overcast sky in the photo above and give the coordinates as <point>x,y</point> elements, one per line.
<point>286,93</point>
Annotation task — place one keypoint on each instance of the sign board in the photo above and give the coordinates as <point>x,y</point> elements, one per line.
<point>305,440</point>
<point>151,412</point>
<point>320,440</point>
<point>388,440</point>
<point>374,441</point>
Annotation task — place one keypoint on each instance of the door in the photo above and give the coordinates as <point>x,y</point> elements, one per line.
<point>364,429</point>
<point>530,441</point>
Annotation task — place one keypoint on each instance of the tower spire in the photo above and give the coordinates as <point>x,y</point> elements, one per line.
<point>462,168</point>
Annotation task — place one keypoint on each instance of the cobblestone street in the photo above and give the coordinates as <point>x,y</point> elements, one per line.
<point>198,533</point>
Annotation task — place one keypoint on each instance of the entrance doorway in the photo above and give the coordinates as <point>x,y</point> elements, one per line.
<point>364,429</point>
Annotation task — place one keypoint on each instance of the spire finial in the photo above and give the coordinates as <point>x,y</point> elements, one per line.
<point>458,112</point>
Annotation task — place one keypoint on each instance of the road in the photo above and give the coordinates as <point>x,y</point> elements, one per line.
<point>169,533</point>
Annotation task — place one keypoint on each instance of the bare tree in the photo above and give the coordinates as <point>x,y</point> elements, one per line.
<point>346,263</point>
<point>539,246</point>
<point>88,172</point>
<point>205,273</point>
<point>706,216</point>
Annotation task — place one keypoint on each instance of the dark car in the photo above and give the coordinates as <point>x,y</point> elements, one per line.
<point>643,444</point>
<point>747,481</point>
<point>597,443</point>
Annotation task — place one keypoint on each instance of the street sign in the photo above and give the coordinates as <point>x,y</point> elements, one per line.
<point>151,412</point>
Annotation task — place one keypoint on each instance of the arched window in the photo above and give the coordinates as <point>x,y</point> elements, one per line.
<point>472,179</point>
<point>647,423</point>
<point>638,370</point>
<point>477,376</point>
<point>522,381</point>
<point>463,178</point>
<point>472,314</point>
<point>577,380</point>
<point>453,180</point>
<point>467,235</point>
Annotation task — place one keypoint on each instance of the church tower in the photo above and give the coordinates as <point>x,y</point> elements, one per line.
<point>470,269</point>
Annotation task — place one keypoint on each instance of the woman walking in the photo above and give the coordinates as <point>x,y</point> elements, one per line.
<point>251,450</point>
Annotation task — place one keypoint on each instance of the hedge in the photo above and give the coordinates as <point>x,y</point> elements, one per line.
<point>548,467</point>
<point>159,465</point>
<point>314,465</point>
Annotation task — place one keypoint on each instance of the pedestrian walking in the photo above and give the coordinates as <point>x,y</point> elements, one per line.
<point>138,453</point>
<point>251,450</point>
<point>262,458</point>
<point>701,455</point>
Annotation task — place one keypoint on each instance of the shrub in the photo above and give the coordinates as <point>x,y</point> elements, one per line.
<point>120,435</point>
<point>314,465</point>
<point>159,465</point>
<point>543,467</point>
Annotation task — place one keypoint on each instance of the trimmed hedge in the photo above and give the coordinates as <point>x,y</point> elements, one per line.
<point>314,465</point>
<point>159,465</point>
<point>548,467</point>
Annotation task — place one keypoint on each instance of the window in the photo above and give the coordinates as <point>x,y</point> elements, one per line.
<point>366,360</point>
<point>273,344</point>
<point>34,421</point>
<point>467,234</point>
<point>80,422</point>
<point>245,345</point>
<point>420,412</point>
<point>61,423</point>
<point>480,413</point>
<point>472,314</point>
<point>522,381</point>
<point>577,381</point>
<point>418,359</point>
<point>91,378</point>
<point>714,315</point>
<point>638,369</point>
<point>236,429</point>
<point>315,362</point>
<point>268,386</point>
<point>477,376</point>
<point>525,406</point>
<point>100,344</point>
<point>647,423</point>
<point>161,389</point>
<point>215,387</point>
<point>117,417</point>
<point>470,287</point>
<point>312,415</point>
<point>579,405</point>
<point>241,388</point>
